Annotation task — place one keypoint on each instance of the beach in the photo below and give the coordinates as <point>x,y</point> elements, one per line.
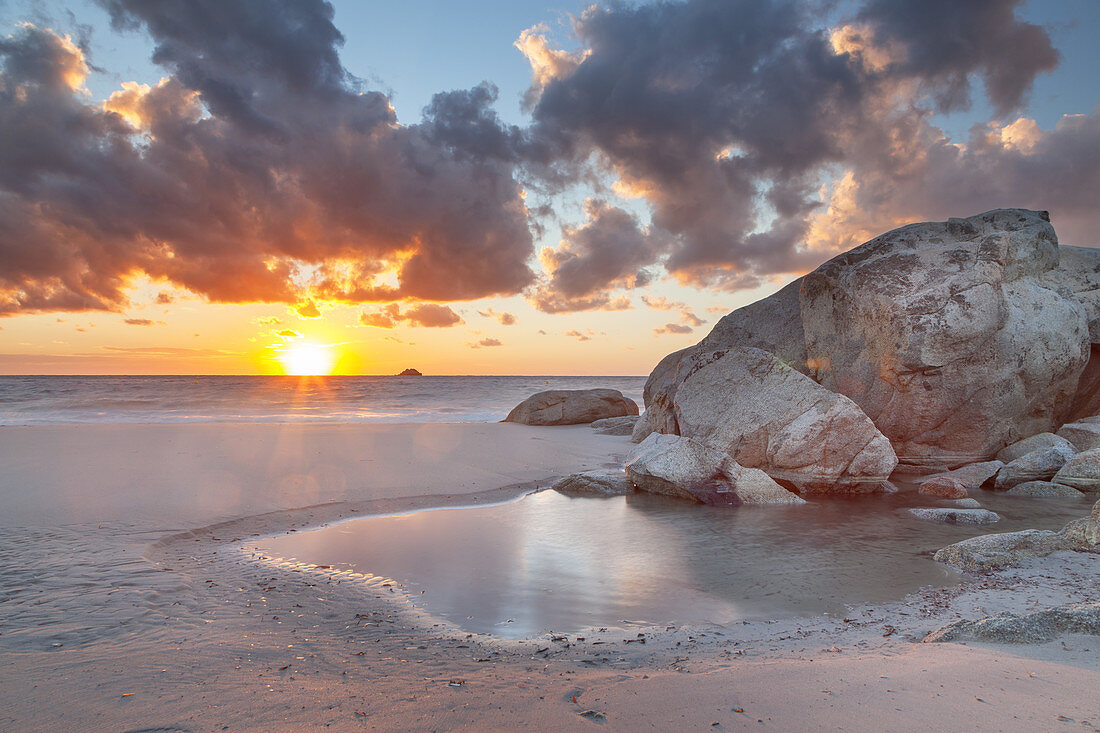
<point>127,605</point>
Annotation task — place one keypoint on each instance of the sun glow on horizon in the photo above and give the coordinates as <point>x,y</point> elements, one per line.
<point>307,359</point>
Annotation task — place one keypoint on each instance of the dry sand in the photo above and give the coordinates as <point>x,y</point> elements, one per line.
<point>125,604</point>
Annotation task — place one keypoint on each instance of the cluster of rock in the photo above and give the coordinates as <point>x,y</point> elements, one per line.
<point>967,351</point>
<point>991,551</point>
<point>954,349</point>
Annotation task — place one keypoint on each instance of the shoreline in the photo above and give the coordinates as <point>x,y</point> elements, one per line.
<point>207,638</point>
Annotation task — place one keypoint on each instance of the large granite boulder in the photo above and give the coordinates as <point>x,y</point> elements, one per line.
<point>773,324</point>
<point>1082,472</point>
<point>677,466</point>
<point>765,414</point>
<point>571,407</point>
<point>1078,276</point>
<point>1038,465</point>
<point>948,336</point>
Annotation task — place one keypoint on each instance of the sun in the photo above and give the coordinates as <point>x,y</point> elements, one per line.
<point>307,359</point>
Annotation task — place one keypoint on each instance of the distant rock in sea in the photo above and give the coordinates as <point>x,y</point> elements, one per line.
<point>410,373</point>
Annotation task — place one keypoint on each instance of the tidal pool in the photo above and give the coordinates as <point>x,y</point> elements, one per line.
<point>549,562</point>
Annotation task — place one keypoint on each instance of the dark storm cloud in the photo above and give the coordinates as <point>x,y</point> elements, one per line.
<point>257,155</point>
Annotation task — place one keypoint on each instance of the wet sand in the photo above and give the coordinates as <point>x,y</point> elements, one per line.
<point>126,604</point>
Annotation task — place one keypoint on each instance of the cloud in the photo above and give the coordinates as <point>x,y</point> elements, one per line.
<point>289,334</point>
<point>268,321</point>
<point>677,328</point>
<point>163,351</point>
<point>724,117</point>
<point>380,319</point>
<point>610,250</point>
<point>432,316</point>
<point>308,309</point>
<point>485,342</point>
<point>163,299</point>
<point>687,315</point>
<point>142,322</point>
<point>505,319</point>
<point>986,40</point>
<point>428,315</point>
<point>755,139</point>
<point>580,335</point>
<point>256,170</point>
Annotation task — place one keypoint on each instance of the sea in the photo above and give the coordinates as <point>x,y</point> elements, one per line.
<point>61,400</point>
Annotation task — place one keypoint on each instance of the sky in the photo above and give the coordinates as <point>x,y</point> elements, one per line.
<point>496,187</point>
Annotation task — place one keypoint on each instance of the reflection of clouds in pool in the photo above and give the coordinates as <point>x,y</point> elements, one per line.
<point>605,574</point>
<point>550,562</point>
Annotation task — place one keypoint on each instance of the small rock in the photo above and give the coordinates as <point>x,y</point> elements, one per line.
<point>1081,471</point>
<point>1038,465</point>
<point>615,425</point>
<point>955,516</point>
<point>1010,453</point>
<point>943,486</point>
<point>571,407</point>
<point>595,483</point>
<point>1031,628</point>
<point>1043,489</point>
<point>968,503</point>
<point>998,550</point>
<point>972,476</point>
